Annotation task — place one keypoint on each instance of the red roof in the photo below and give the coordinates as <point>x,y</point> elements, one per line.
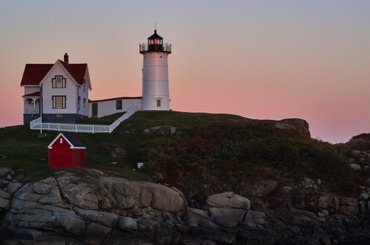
<point>34,73</point>
<point>118,98</point>
<point>35,94</point>
<point>76,70</point>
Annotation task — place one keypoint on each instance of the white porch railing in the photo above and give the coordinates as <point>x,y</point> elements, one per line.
<point>81,128</point>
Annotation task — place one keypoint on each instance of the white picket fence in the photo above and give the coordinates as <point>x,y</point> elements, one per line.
<point>82,128</point>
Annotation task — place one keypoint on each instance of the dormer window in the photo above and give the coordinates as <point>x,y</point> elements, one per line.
<point>59,82</point>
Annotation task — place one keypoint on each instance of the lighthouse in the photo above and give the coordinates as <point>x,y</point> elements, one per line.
<point>155,94</point>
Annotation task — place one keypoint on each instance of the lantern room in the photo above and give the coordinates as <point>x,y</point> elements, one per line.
<point>155,39</point>
<point>155,44</point>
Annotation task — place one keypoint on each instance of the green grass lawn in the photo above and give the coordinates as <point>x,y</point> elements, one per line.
<point>212,148</point>
<point>21,148</point>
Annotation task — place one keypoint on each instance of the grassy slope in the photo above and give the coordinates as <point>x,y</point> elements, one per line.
<point>218,150</point>
<point>22,149</point>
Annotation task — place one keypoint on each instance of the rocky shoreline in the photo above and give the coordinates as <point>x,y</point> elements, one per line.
<point>93,208</point>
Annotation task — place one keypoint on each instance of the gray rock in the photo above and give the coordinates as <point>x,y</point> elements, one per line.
<point>4,203</point>
<point>52,200</point>
<point>20,204</point>
<point>37,219</point>
<point>166,236</point>
<point>261,236</point>
<point>104,218</point>
<point>77,193</point>
<point>254,219</point>
<point>12,187</point>
<point>362,207</point>
<point>49,181</point>
<point>355,166</point>
<point>68,223</point>
<point>226,217</point>
<point>5,171</point>
<point>219,236</point>
<point>31,236</point>
<point>40,188</point>
<point>262,188</point>
<point>227,209</point>
<point>165,129</point>
<point>95,234</point>
<point>364,196</point>
<point>323,213</point>
<point>228,200</point>
<point>127,223</point>
<point>351,160</point>
<point>4,194</point>
<point>349,205</point>
<point>298,125</point>
<point>308,183</point>
<point>119,152</point>
<point>196,217</point>
<point>195,241</point>
<point>147,226</point>
<point>356,152</point>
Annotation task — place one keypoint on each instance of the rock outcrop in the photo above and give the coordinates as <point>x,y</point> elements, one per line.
<point>299,125</point>
<point>164,129</point>
<point>89,207</point>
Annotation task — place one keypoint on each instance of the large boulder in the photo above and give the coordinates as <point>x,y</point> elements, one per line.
<point>228,208</point>
<point>299,125</point>
<point>128,194</point>
<point>89,207</point>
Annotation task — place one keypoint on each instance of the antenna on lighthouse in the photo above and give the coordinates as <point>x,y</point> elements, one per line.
<point>155,25</point>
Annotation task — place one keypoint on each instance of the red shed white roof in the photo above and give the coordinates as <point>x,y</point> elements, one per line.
<point>72,140</point>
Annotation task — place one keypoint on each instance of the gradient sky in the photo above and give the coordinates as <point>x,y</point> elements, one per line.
<point>258,59</point>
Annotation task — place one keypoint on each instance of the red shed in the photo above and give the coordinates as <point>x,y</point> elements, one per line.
<point>66,151</point>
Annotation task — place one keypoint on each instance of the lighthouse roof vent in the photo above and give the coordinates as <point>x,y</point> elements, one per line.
<point>155,36</point>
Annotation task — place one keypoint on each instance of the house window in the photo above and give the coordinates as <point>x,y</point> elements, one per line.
<point>118,104</point>
<point>159,102</point>
<point>84,102</point>
<point>84,85</point>
<point>59,102</point>
<point>58,82</point>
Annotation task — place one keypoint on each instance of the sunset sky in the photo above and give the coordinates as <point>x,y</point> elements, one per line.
<point>258,59</point>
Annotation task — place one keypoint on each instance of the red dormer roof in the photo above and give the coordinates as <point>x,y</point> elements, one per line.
<point>34,73</point>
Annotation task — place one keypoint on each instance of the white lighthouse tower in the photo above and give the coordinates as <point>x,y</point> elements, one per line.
<point>155,94</point>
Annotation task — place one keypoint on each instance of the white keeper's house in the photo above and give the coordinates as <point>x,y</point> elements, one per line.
<point>60,91</point>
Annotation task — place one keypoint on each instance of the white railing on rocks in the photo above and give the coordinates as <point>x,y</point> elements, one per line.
<point>82,128</point>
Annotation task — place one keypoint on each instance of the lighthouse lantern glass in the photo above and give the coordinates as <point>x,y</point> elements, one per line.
<point>155,42</point>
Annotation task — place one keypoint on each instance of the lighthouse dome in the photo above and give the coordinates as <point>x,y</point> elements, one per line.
<point>155,36</point>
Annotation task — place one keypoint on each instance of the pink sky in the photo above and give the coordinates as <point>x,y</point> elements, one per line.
<point>258,59</point>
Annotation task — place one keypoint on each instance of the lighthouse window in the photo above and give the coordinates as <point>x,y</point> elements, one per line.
<point>159,102</point>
